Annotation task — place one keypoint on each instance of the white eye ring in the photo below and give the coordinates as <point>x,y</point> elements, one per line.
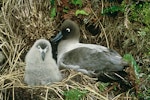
<point>68,29</point>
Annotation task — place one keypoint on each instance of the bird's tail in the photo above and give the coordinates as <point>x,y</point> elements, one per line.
<point>120,76</point>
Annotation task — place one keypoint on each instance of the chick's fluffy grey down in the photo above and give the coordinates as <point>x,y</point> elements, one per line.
<point>41,70</point>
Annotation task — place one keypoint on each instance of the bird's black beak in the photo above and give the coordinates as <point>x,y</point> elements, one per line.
<point>43,55</point>
<point>57,38</point>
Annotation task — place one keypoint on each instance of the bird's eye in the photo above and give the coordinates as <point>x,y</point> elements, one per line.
<point>38,47</point>
<point>68,30</point>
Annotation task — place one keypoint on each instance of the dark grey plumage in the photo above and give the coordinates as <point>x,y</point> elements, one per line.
<point>90,59</point>
<point>93,60</point>
<point>41,68</point>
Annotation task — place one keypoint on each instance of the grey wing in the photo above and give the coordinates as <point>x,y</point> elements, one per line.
<point>93,60</point>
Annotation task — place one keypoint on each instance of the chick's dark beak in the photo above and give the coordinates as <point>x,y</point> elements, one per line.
<point>43,55</point>
<point>57,38</point>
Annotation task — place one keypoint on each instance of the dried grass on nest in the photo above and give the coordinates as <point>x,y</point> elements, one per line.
<point>24,21</point>
<point>13,87</point>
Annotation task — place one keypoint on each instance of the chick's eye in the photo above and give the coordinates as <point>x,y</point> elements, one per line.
<point>38,47</point>
<point>68,30</point>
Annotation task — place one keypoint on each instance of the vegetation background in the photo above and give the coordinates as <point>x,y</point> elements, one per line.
<point>122,25</point>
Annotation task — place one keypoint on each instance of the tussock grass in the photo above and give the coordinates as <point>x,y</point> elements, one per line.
<point>24,21</point>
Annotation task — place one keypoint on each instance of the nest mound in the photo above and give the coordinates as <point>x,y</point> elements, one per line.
<point>23,22</point>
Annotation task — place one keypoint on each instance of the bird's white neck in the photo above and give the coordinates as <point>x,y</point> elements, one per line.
<point>65,46</point>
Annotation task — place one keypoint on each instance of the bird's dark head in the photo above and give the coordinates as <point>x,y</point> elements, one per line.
<point>69,30</point>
